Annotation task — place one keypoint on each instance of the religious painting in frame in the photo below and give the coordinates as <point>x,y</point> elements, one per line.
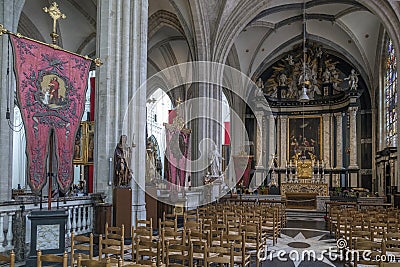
<point>90,141</point>
<point>79,146</point>
<point>305,137</point>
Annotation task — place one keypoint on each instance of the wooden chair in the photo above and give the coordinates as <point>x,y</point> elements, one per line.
<point>120,264</point>
<point>179,255</point>
<point>221,255</point>
<point>358,231</point>
<point>374,250</point>
<point>81,245</point>
<point>148,252</point>
<point>93,263</point>
<point>114,232</point>
<point>10,258</point>
<point>270,225</point>
<point>173,236</point>
<point>389,264</point>
<point>51,258</point>
<point>111,247</point>
<point>148,224</point>
<point>241,257</point>
<point>254,243</point>
<point>391,244</point>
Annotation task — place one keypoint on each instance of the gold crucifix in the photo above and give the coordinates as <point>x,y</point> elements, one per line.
<point>178,101</point>
<point>55,14</point>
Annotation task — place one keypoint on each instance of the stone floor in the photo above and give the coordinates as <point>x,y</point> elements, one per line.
<point>304,241</point>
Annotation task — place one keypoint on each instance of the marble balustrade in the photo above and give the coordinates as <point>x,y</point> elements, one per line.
<point>14,216</point>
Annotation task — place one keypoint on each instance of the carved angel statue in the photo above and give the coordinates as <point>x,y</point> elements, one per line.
<point>282,79</point>
<point>353,80</point>
<point>260,83</point>
<point>289,59</point>
<point>326,76</point>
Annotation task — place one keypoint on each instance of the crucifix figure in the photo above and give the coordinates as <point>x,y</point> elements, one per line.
<point>55,14</point>
<point>178,101</point>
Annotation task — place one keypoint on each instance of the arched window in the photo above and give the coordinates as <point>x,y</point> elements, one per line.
<point>390,93</point>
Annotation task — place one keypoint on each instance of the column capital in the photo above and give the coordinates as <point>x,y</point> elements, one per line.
<point>283,117</point>
<point>353,109</point>
<point>326,115</point>
<point>338,114</point>
<point>259,114</point>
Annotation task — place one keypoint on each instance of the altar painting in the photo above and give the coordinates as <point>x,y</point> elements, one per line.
<point>305,137</point>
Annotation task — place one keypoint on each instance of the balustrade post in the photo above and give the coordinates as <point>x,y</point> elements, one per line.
<point>84,219</point>
<point>69,222</point>
<point>9,231</point>
<point>74,220</point>
<point>2,232</point>
<point>79,221</point>
<point>90,219</point>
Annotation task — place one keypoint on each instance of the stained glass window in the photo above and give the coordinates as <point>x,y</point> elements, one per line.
<point>390,89</point>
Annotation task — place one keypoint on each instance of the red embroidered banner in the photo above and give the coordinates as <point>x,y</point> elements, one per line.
<point>177,152</point>
<point>51,86</point>
<point>242,169</point>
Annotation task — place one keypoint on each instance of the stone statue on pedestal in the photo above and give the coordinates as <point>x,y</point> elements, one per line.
<point>122,172</point>
<point>215,161</point>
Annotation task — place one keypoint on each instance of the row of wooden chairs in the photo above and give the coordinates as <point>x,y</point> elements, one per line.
<point>205,233</point>
<point>375,230</point>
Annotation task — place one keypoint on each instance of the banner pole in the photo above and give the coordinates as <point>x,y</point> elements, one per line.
<point>50,168</point>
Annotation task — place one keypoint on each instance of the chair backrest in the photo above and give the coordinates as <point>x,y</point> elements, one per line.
<point>10,258</point>
<point>144,223</point>
<point>83,245</point>
<point>374,250</point>
<point>120,264</point>
<point>93,263</point>
<point>115,232</point>
<point>52,258</point>
<point>148,252</point>
<point>111,247</point>
<point>181,255</point>
<point>224,255</point>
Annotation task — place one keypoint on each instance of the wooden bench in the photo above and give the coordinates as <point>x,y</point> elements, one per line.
<point>301,200</point>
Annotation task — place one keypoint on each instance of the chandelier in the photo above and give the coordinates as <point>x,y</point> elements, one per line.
<point>304,77</point>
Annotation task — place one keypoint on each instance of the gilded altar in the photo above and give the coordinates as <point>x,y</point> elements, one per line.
<point>320,189</point>
<point>304,166</point>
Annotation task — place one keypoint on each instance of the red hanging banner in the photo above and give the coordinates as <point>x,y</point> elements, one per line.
<point>51,87</point>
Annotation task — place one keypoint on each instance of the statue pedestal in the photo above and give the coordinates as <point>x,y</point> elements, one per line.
<point>122,209</point>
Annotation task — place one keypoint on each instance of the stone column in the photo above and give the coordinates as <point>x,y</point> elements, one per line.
<point>353,138</point>
<point>271,135</point>
<point>283,141</point>
<point>261,149</point>
<point>339,140</point>
<point>122,45</point>
<point>260,119</point>
<point>326,138</point>
<point>204,121</point>
<point>10,11</point>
